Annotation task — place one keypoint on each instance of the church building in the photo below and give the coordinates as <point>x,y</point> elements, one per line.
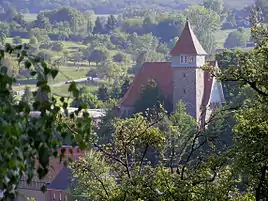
<point>180,79</point>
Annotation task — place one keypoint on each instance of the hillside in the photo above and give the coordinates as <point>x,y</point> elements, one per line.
<point>115,6</point>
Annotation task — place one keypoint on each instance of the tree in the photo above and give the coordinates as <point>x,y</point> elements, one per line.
<point>99,26</point>
<point>74,17</point>
<point>251,116</point>
<point>126,158</point>
<point>2,37</point>
<point>97,56</point>
<point>28,155</point>
<point>230,22</point>
<point>103,94</point>
<point>263,6</point>
<point>33,40</point>
<point>151,97</point>
<point>105,128</point>
<point>41,35</point>
<point>215,5</point>
<point>10,13</point>
<point>182,127</point>
<point>204,22</point>
<point>110,70</point>
<point>119,57</point>
<point>111,23</point>
<point>124,88</point>
<point>236,39</point>
<point>27,96</point>
<point>139,61</point>
<point>226,59</point>
<point>88,99</point>
<point>96,169</point>
<point>149,24</point>
<point>174,25</point>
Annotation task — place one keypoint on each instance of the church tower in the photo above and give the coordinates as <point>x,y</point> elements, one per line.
<point>188,56</point>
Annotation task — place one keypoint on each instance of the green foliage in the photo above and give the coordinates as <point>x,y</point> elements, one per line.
<point>98,55</point>
<point>230,59</point>
<point>174,24</point>
<point>236,39</point>
<point>205,23</point>
<point>95,170</point>
<point>215,5</point>
<point>27,142</point>
<point>74,17</point>
<point>33,40</point>
<point>88,99</point>
<point>99,26</point>
<point>251,127</point>
<point>103,94</point>
<point>263,6</point>
<point>151,97</point>
<point>27,96</point>
<point>111,23</point>
<point>126,158</point>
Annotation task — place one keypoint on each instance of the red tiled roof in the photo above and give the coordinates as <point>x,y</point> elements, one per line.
<point>55,165</point>
<point>188,43</point>
<point>161,72</point>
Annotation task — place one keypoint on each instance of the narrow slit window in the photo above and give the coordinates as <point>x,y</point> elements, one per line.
<point>185,59</point>
<point>181,59</point>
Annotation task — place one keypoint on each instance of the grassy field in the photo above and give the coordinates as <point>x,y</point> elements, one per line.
<point>63,90</point>
<point>70,73</point>
<point>30,17</point>
<point>10,40</point>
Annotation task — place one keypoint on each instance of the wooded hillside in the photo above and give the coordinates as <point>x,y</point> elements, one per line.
<point>112,6</point>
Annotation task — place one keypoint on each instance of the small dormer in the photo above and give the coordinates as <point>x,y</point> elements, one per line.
<point>188,52</point>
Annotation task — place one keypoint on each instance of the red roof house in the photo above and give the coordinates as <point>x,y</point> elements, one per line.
<point>57,180</point>
<point>179,79</point>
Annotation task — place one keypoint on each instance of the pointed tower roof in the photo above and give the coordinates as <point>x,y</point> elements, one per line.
<point>188,43</point>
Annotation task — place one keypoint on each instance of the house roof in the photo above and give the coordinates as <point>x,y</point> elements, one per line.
<point>208,82</point>
<point>56,166</point>
<point>161,72</point>
<point>188,43</point>
<point>62,180</point>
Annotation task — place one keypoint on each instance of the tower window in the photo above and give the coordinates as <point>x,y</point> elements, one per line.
<point>185,59</point>
<point>184,74</point>
<point>182,60</point>
<point>184,91</point>
<point>191,59</point>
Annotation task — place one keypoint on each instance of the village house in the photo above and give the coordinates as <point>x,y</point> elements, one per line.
<point>180,79</point>
<point>57,181</point>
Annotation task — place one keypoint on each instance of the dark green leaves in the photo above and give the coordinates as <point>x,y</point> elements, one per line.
<point>27,64</point>
<point>34,128</point>
<point>54,73</point>
<point>73,89</point>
